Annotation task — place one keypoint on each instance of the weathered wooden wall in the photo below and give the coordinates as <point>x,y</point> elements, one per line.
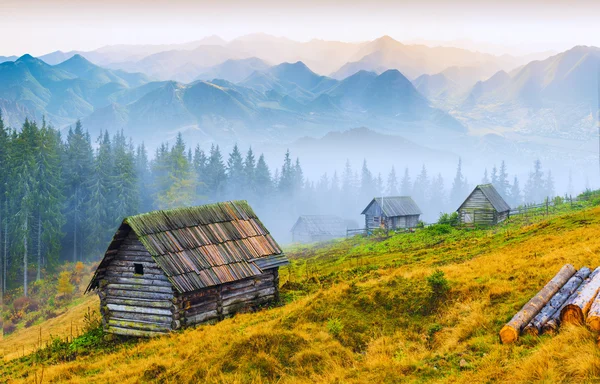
<point>133,304</point>
<point>216,303</point>
<point>479,209</point>
<point>396,222</point>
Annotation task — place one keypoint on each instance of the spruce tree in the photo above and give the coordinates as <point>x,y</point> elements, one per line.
<point>503,183</point>
<point>264,183</point>
<point>485,179</point>
<point>406,185</point>
<point>235,174</point>
<point>215,174</point>
<point>421,187</point>
<point>459,186</point>
<point>515,193</point>
<point>392,183</point>
<point>249,175</point>
<point>367,185</point>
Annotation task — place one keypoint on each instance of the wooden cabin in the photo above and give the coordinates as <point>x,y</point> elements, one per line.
<point>394,212</point>
<point>314,228</point>
<point>169,269</point>
<point>484,206</point>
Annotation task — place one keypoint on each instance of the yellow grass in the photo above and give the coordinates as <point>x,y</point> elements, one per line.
<point>26,340</point>
<point>381,341</point>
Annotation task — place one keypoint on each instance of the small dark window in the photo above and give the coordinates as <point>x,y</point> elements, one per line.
<point>138,269</point>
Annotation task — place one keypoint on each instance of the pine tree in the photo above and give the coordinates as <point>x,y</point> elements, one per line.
<point>485,179</point>
<point>215,174</point>
<point>535,189</point>
<point>549,185</point>
<point>263,181</point>
<point>142,170</point>
<point>286,179</point>
<point>49,199</point>
<point>392,183</point>
<point>125,181</point>
<point>379,191</point>
<point>298,177</point>
<point>235,174</point>
<point>177,186</point>
<point>459,186</point>
<point>367,185</point>
<point>78,169</point>
<point>421,187</point>
<point>494,177</point>
<point>437,196</point>
<point>406,185</point>
<point>570,185</point>
<point>515,193</point>
<point>503,183</point>
<point>249,175</point>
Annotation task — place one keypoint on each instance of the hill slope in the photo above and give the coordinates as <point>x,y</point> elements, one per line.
<point>362,310</point>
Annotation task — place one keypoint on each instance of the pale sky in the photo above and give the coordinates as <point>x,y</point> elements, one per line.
<point>42,26</point>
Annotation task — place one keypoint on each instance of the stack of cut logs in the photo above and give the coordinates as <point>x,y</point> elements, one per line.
<point>571,297</point>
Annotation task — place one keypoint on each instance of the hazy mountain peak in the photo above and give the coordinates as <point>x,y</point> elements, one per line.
<point>26,58</point>
<point>78,61</point>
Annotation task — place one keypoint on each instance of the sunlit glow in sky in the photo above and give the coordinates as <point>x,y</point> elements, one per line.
<point>42,26</point>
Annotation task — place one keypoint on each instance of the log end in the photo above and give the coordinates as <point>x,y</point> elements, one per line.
<point>594,322</point>
<point>530,330</point>
<point>508,334</point>
<point>571,314</point>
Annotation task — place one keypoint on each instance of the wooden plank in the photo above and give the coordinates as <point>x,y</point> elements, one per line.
<point>141,302</point>
<point>129,294</point>
<point>249,296</point>
<point>139,309</point>
<point>148,275</point>
<point>140,325</point>
<point>137,281</point>
<point>205,307</point>
<point>246,290</point>
<point>205,316</point>
<point>133,332</point>
<point>140,317</point>
<point>140,287</point>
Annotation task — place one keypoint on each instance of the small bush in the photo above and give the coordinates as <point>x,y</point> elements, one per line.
<point>8,327</point>
<point>25,304</point>
<point>449,218</point>
<point>439,288</point>
<point>334,326</point>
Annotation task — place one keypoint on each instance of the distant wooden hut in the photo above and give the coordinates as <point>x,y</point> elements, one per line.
<point>314,228</point>
<point>168,269</point>
<point>484,206</point>
<point>393,212</point>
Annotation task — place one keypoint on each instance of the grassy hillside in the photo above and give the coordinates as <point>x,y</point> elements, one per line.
<point>373,310</point>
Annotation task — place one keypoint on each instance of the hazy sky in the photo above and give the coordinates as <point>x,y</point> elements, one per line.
<point>42,26</point>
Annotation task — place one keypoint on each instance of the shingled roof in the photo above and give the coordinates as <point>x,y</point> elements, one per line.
<point>201,246</point>
<point>322,225</point>
<point>492,195</point>
<point>395,206</point>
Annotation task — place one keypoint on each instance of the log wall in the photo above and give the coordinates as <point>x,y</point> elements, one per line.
<point>136,304</point>
<point>216,303</point>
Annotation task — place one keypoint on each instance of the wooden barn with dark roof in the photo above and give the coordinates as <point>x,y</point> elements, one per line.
<point>314,228</point>
<point>484,206</point>
<point>168,269</point>
<point>393,212</point>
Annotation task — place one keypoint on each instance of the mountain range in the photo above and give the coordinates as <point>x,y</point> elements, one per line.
<point>251,99</point>
<point>187,62</point>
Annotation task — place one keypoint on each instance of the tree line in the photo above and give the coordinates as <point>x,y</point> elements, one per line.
<point>62,198</point>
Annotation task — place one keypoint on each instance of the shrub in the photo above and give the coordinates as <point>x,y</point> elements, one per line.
<point>25,304</point>
<point>334,326</point>
<point>449,218</point>
<point>8,327</point>
<point>439,288</point>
